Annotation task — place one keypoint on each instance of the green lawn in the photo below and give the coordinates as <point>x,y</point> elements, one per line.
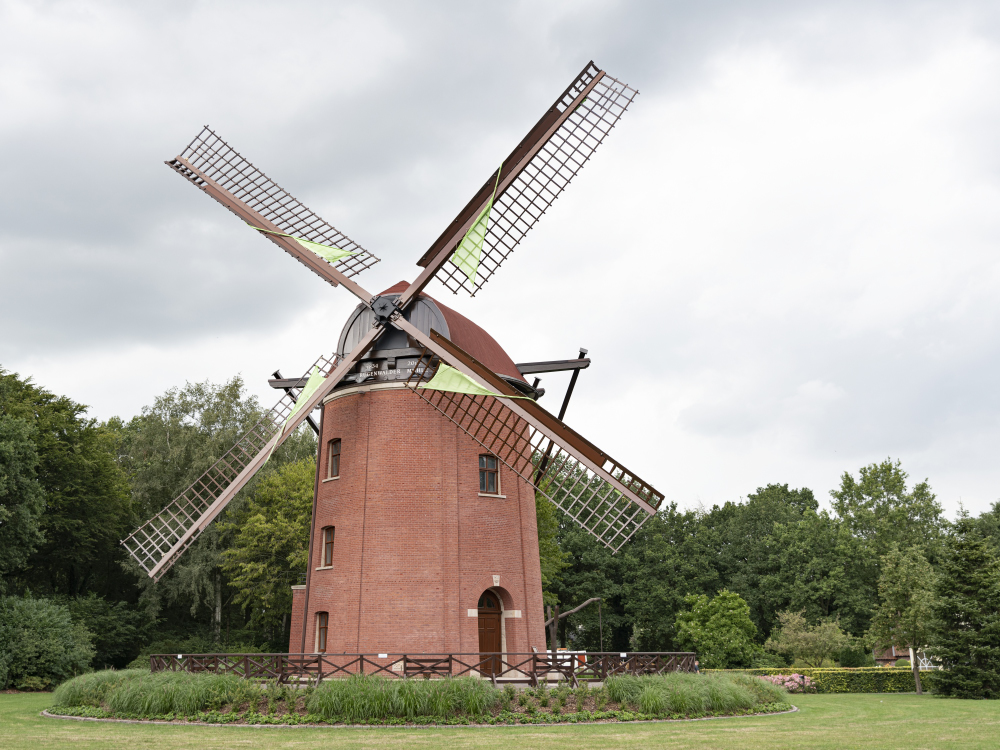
<point>824,721</point>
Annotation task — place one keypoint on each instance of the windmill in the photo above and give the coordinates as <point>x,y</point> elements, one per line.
<point>403,342</point>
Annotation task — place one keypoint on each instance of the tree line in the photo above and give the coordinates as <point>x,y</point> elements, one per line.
<point>71,487</point>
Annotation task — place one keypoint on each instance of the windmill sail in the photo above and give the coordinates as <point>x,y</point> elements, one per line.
<point>210,162</point>
<point>159,542</point>
<point>534,175</point>
<point>600,494</point>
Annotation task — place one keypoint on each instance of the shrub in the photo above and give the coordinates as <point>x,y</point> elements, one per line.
<point>119,630</point>
<point>851,658</point>
<point>41,646</point>
<point>769,661</point>
<point>903,663</point>
<point>719,629</point>
<point>190,645</point>
<point>799,665</point>
<point>32,684</point>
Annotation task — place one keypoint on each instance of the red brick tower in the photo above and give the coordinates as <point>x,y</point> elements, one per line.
<point>421,542</point>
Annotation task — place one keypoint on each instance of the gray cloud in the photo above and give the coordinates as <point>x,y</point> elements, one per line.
<point>758,245</point>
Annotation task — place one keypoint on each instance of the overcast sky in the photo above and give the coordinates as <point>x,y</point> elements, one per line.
<point>784,260</point>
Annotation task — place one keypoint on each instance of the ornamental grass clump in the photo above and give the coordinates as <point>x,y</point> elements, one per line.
<point>685,694</point>
<point>180,693</point>
<point>764,690</point>
<point>138,692</point>
<point>367,699</point>
<point>363,698</point>
<point>93,688</point>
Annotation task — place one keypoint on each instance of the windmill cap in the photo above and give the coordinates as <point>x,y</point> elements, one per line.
<point>426,313</point>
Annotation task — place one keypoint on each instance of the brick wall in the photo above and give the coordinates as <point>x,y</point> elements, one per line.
<point>416,545</point>
<point>295,629</point>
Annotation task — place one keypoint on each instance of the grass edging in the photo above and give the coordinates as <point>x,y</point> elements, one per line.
<point>566,719</point>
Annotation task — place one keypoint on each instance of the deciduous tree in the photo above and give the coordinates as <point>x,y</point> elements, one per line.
<point>672,555</point>
<point>21,497</point>
<point>741,534</point>
<point>553,560</point>
<point>819,567</point>
<point>270,544</point>
<point>811,645</point>
<point>879,508</point>
<point>166,448</point>
<point>87,503</point>
<point>905,615</point>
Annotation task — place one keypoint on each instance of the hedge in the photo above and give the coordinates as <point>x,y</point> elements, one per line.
<point>846,680</point>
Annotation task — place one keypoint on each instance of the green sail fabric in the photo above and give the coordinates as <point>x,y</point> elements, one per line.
<point>327,252</point>
<point>470,250</point>
<point>449,379</point>
<point>315,381</point>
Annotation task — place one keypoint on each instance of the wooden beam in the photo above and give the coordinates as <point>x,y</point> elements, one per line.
<point>556,365</point>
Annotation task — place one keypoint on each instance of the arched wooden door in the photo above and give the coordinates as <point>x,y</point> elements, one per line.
<point>489,631</point>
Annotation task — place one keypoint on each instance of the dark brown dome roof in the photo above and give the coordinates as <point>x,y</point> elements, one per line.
<point>469,337</point>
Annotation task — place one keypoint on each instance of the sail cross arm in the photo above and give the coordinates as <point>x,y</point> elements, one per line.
<point>543,424</point>
<point>159,543</point>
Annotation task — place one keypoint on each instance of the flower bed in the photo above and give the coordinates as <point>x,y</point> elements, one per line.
<point>226,699</point>
<point>793,683</point>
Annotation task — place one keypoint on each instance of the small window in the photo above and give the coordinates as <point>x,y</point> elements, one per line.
<point>333,459</point>
<point>328,533</point>
<point>489,477</point>
<point>322,621</point>
<point>486,601</point>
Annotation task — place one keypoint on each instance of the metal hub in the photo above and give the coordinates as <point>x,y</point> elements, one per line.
<point>384,308</point>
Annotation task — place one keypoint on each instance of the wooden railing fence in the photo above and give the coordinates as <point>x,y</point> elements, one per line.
<point>569,666</point>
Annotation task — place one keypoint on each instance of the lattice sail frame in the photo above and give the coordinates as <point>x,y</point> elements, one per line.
<point>517,209</point>
<point>227,167</point>
<point>158,537</point>
<point>594,503</point>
